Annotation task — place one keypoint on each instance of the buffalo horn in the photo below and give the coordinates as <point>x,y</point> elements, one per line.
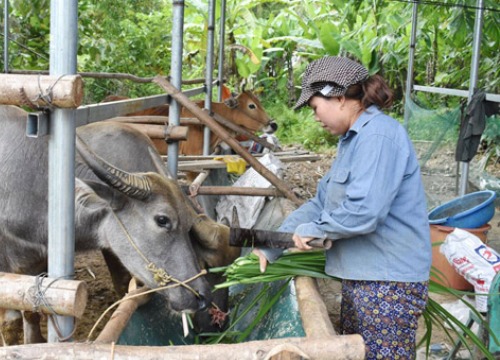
<point>136,186</point>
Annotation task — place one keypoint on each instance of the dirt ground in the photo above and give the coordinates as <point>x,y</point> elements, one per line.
<point>303,178</point>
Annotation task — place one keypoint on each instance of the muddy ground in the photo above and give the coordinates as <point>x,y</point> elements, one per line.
<point>439,178</point>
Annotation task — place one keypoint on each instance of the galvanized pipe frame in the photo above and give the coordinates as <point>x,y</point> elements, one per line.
<point>6,36</point>
<point>176,77</point>
<point>208,72</point>
<point>476,55</point>
<point>62,129</point>
<point>61,244</point>
<point>476,48</point>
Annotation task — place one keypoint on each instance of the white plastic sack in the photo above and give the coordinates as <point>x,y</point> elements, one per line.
<point>249,207</point>
<point>474,260</point>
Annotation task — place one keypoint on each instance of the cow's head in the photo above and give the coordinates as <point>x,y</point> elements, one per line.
<point>143,219</point>
<point>252,115</point>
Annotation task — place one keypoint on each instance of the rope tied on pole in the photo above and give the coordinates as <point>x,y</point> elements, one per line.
<point>40,300</point>
<point>46,96</point>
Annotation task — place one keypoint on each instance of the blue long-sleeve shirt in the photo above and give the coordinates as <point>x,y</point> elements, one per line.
<point>372,203</point>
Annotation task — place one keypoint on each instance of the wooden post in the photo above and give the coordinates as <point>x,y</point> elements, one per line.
<point>121,316</point>
<point>41,90</point>
<point>207,120</point>
<point>313,313</point>
<point>32,293</point>
<point>345,347</point>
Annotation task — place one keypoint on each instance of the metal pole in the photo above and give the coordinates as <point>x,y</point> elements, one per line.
<point>476,55</point>
<point>176,79</point>
<point>209,72</point>
<point>6,37</point>
<point>409,76</point>
<point>63,47</point>
<point>222,38</point>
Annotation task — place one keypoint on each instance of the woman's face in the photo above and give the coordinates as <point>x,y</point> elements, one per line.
<point>331,113</point>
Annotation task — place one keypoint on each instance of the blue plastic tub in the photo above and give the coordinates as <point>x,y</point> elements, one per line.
<point>467,212</point>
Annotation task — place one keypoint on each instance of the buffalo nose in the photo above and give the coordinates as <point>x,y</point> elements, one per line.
<point>203,302</point>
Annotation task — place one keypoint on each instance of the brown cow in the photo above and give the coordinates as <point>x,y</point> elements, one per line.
<point>244,110</point>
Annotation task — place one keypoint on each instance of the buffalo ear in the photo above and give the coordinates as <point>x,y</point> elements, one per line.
<point>96,195</point>
<point>159,164</point>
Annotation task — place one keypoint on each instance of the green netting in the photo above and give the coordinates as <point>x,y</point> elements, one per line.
<point>435,134</point>
<point>431,130</point>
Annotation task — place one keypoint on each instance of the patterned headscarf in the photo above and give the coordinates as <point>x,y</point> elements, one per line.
<point>330,76</point>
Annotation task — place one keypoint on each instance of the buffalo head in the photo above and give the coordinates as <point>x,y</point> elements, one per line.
<point>143,218</point>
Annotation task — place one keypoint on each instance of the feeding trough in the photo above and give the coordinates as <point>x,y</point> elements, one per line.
<point>297,325</point>
<point>467,212</point>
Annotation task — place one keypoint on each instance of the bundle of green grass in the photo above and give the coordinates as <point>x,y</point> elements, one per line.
<point>246,270</point>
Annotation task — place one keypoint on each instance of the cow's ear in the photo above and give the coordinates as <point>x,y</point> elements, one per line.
<point>226,93</point>
<point>231,103</point>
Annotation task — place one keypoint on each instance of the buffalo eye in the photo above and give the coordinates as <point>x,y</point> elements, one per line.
<point>252,106</point>
<point>163,221</point>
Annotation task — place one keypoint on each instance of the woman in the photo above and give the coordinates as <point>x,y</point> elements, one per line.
<point>372,204</point>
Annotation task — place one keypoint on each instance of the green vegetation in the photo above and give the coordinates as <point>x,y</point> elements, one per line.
<point>268,44</point>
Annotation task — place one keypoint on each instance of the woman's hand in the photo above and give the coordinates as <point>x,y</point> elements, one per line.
<point>262,259</point>
<point>301,242</point>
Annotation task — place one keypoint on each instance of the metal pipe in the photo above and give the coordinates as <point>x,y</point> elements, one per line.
<point>176,79</point>
<point>454,92</point>
<point>6,37</point>
<point>63,49</point>
<point>222,39</point>
<point>209,71</point>
<point>409,75</point>
<point>476,55</point>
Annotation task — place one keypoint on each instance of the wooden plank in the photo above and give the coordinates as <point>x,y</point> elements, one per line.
<point>219,164</point>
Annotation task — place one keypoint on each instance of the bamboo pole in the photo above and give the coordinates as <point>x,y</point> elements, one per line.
<point>41,90</point>
<point>207,120</point>
<point>327,348</point>
<point>48,295</point>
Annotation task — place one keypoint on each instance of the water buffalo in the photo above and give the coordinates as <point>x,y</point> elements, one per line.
<point>123,196</point>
